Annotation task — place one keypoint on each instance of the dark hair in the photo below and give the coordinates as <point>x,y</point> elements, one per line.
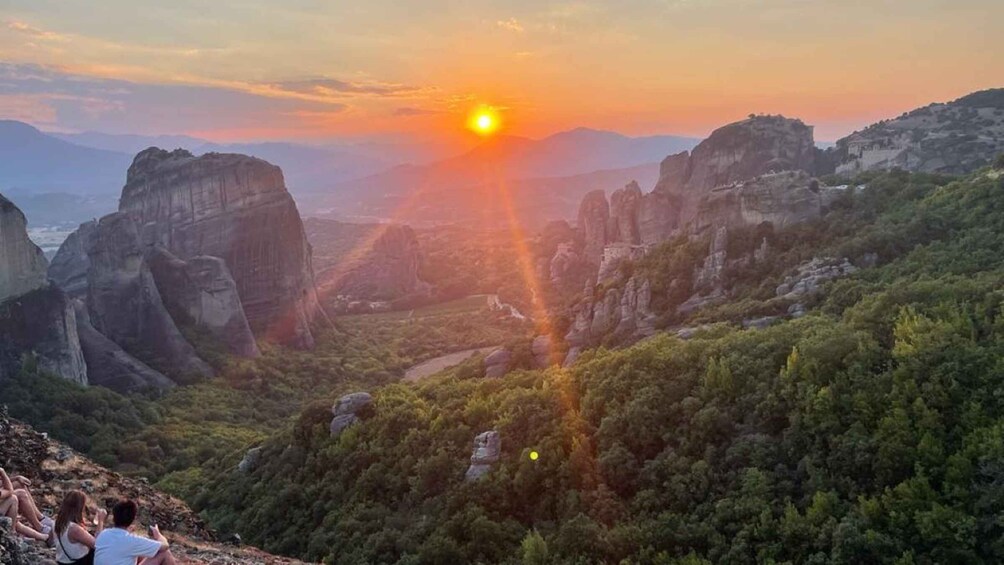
<point>124,512</point>
<point>71,511</point>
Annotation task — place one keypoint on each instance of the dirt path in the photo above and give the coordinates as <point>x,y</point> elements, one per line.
<point>435,365</point>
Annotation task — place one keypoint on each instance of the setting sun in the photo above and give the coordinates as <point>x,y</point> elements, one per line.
<point>483,121</point>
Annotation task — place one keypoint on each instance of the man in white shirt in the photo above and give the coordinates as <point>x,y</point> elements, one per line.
<point>117,546</point>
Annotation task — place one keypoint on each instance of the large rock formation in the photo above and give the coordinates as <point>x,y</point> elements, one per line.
<point>237,208</point>
<point>384,266</point>
<point>125,305</point>
<point>348,410</point>
<point>22,263</point>
<point>623,224</point>
<point>36,319</point>
<point>201,292</point>
<point>956,137</point>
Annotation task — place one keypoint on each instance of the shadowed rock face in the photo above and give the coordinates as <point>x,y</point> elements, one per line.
<point>236,208</point>
<point>22,263</point>
<point>125,305</point>
<point>41,323</point>
<point>594,215</point>
<point>108,365</point>
<point>201,291</point>
<point>70,264</point>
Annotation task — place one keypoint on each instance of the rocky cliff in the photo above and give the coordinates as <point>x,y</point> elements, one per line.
<point>36,319</point>
<point>236,208</point>
<point>125,305</point>
<point>384,266</point>
<point>22,263</point>
<point>955,138</point>
<point>69,266</point>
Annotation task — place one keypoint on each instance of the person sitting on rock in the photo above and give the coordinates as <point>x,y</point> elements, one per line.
<point>74,544</point>
<point>118,546</point>
<point>16,502</point>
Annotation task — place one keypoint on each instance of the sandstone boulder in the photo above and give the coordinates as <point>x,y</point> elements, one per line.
<point>347,410</point>
<point>250,460</point>
<point>497,363</point>
<point>809,277</point>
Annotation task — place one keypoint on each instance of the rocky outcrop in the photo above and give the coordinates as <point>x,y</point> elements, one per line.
<point>487,450</point>
<point>36,319</point>
<point>673,173</point>
<point>236,208</point>
<point>384,267</point>
<point>125,305</point>
<point>957,137</point>
<point>41,324</point>
<point>250,460</point>
<point>809,277</point>
<point>22,263</point>
<point>497,363</point>
<point>201,292</point>
<point>624,313</point>
<point>543,351</point>
<point>594,215</point>
<point>348,410</point>
<point>108,365</point>
<point>781,199</point>
<point>614,255</point>
<point>708,277</point>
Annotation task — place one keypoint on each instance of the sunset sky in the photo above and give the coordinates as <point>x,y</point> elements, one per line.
<point>317,69</point>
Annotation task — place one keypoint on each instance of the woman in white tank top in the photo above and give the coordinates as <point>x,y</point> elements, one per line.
<point>74,544</point>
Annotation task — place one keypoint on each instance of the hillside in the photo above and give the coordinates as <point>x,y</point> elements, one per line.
<point>33,161</point>
<point>55,469</point>
<point>866,431</point>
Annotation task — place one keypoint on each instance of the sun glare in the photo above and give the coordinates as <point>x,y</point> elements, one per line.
<point>483,121</point>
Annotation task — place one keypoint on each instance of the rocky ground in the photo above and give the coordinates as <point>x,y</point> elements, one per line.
<point>55,469</point>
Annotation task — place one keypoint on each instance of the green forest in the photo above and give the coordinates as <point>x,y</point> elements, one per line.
<point>870,430</point>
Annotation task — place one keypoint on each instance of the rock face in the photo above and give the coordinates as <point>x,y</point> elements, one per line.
<point>237,208</point>
<point>41,323</point>
<point>594,214</point>
<point>250,460</point>
<point>955,138</point>
<point>622,312</point>
<point>22,263</point>
<point>108,365</point>
<point>347,411</point>
<point>808,277</point>
<point>487,449</point>
<point>201,291</point>
<point>36,319</point>
<point>125,305</point>
<point>385,267</point>
<point>70,265</point>
<point>623,224</point>
<point>782,199</point>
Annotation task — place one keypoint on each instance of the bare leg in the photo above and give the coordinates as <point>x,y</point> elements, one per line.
<point>21,486</point>
<point>8,507</point>
<point>28,508</point>
<point>30,533</point>
<point>165,557</point>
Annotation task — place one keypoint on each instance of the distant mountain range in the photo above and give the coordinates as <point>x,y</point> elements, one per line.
<point>550,173</point>
<point>87,170</point>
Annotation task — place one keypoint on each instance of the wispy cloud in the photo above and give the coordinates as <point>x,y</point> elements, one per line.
<point>512,24</point>
<point>328,86</point>
<point>34,32</point>
<point>409,111</point>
